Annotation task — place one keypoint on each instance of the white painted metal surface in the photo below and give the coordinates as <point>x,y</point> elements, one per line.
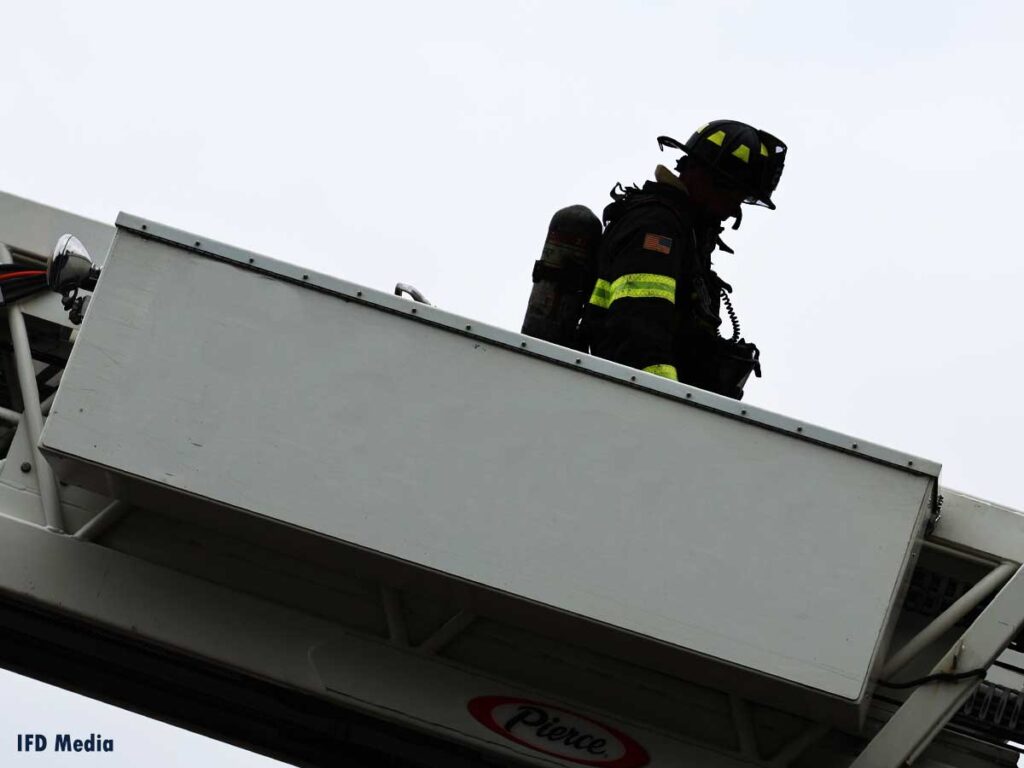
<point>287,614</point>
<point>238,631</point>
<point>33,228</point>
<point>525,344</point>
<point>989,529</point>
<point>718,537</point>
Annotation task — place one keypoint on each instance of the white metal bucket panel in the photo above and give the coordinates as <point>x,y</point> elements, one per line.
<point>186,615</point>
<point>436,696</point>
<point>701,531</point>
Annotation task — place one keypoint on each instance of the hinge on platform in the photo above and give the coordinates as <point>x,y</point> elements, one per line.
<point>935,516</point>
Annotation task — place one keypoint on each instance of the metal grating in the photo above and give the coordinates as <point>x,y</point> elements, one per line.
<point>932,592</point>
<point>994,710</point>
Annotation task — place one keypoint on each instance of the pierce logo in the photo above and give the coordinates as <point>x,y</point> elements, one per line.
<point>558,732</point>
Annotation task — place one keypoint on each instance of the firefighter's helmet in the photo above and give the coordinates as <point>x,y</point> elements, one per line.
<point>741,154</point>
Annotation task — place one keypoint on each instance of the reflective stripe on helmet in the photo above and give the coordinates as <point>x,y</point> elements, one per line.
<point>668,371</point>
<point>742,152</point>
<point>717,137</point>
<point>764,149</point>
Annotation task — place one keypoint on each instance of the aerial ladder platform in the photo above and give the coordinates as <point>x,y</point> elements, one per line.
<point>337,526</point>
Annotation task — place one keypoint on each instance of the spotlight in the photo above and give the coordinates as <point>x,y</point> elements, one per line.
<point>70,266</point>
<point>69,269</point>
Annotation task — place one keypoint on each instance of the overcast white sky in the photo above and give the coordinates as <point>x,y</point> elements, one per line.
<point>430,142</point>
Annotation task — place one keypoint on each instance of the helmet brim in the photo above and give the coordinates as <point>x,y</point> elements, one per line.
<point>760,203</point>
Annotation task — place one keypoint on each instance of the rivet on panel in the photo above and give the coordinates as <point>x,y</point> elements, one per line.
<point>251,260</point>
<point>144,227</point>
<point>359,293</point>
<point>855,446</point>
<point>305,277</point>
<point>414,310</point>
<point>26,467</point>
<point>197,243</point>
<point>688,395</point>
<point>469,327</point>
<point>522,344</point>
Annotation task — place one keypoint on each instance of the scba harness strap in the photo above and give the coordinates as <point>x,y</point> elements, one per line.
<point>570,279</point>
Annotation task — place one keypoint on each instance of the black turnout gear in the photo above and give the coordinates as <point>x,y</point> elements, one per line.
<point>655,303</point>
<point>656,300</point>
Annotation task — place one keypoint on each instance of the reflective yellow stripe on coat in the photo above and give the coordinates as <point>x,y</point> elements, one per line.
<point>639,285</point>
<point>602,295</point>
<point>668,371</point>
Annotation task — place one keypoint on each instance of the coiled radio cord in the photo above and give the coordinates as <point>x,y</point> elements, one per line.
<point>732,316</point>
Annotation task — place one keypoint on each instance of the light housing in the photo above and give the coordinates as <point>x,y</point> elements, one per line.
<point>70,266</point>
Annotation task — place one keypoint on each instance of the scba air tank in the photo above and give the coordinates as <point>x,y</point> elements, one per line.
<point>563,277</point>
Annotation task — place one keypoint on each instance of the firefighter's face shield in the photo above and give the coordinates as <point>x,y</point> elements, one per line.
<point>773,158</point>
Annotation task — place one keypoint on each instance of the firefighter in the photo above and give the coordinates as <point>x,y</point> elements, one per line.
<point>656,301</point>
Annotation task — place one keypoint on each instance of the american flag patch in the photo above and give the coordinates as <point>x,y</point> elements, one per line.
<point>658,243</point>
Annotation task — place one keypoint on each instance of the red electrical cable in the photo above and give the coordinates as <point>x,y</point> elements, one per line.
<point>31,273</point>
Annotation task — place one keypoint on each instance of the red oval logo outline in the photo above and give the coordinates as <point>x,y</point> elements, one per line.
<point>633,754</point>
